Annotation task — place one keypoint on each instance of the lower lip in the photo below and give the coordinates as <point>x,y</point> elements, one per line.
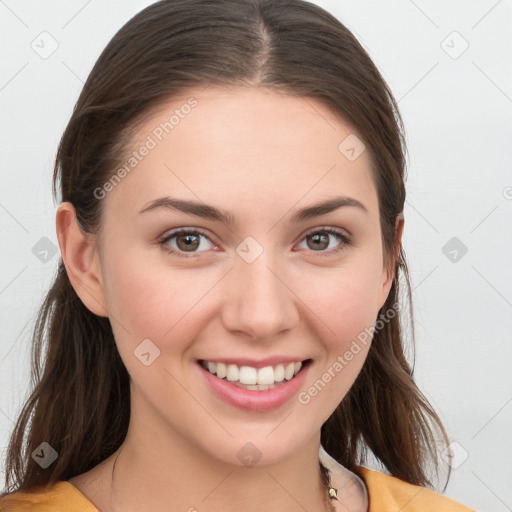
<point>258,401</point>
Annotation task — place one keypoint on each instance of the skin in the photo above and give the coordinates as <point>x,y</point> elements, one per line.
<point>262,156</point>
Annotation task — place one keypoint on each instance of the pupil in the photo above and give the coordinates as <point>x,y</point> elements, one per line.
<point>189,241</point>
<point>317,238</point>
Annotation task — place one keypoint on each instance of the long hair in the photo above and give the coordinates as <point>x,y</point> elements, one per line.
<point>79,401</point>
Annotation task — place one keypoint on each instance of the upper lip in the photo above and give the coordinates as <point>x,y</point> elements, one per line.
<point>255,363</point>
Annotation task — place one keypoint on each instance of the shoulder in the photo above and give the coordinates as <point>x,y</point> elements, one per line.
<point>387,493</point>
<point>60,496</point>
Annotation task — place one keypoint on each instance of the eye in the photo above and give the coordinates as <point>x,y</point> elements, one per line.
<point>187,241</point>
<point>319,240</point>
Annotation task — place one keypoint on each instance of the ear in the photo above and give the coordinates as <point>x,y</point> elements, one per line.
<point>80,257</point>
<point>389,273</point>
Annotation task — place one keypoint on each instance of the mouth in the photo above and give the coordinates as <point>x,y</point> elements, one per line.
<point>252,378</point>
<point>255,390</point>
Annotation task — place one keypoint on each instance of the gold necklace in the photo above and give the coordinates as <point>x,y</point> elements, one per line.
<point>332,493</point>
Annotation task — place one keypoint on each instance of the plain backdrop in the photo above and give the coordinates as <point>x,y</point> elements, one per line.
<point>449,67</point>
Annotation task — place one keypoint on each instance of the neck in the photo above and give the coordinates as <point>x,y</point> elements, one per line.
<point>157,469</point>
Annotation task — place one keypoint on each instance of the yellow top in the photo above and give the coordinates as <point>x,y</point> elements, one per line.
<point>386,494</point>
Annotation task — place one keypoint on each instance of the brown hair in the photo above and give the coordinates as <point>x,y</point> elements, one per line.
<point>291,46</point>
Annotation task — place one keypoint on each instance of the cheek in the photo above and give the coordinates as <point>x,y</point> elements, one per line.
<point>345,304</point>
<point>156,302</point>
<point>345,301</point>
<point>356,306</point>
<point>148,303</point>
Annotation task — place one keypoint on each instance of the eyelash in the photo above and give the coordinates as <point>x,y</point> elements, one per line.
<point>345,241</point>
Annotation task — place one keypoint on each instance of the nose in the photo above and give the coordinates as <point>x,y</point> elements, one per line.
<point>259,301</point>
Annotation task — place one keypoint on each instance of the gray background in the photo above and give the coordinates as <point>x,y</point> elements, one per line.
<point>457,106</point>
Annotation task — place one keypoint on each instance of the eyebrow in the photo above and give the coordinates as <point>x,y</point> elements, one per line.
<point>212,213</point>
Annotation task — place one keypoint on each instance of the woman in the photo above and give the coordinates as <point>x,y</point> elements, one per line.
<point>223,331</point>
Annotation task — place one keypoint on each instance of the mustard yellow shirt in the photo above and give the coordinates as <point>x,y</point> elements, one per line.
<point>385,493</point>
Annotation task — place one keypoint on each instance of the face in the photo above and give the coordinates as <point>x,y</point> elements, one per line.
<point>269,284</point>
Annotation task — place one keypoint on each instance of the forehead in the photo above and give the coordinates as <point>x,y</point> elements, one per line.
<point>243,147</point>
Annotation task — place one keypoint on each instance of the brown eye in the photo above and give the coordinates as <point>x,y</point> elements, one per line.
<point>186,241</point>
<point>319,241</point>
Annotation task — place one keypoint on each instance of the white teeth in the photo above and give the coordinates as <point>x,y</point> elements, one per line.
<point>254,378</point>
<point>232,373</point>
<point>279,373</point>
<point>265,375</point>
<point>248,375</point>
<point>288,372</point>
<point>221,370</point>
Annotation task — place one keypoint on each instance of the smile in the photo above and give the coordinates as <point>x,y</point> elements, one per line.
<point>254,397</point>
<point>252,378</point>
